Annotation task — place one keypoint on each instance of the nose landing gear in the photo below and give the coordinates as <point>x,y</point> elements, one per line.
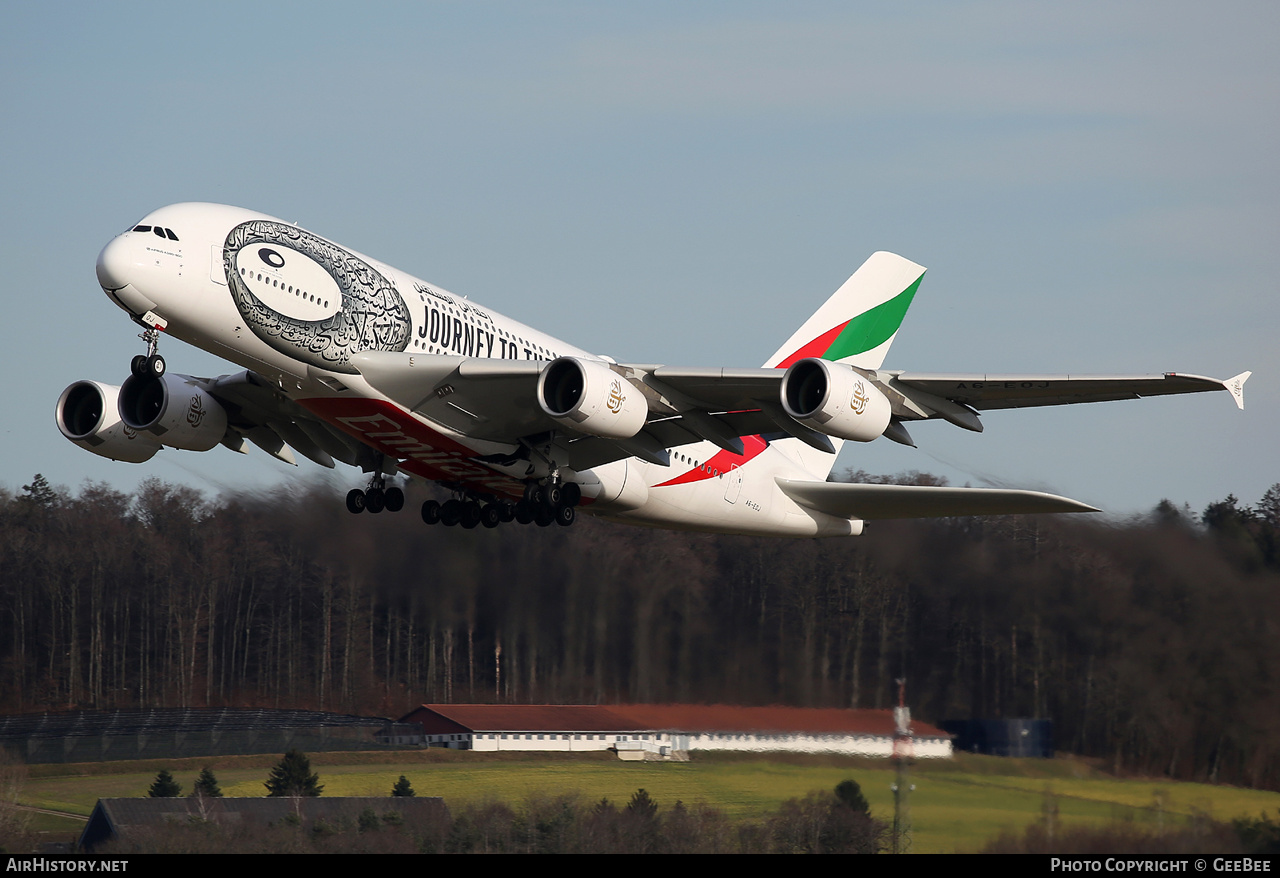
<point>150,363</point>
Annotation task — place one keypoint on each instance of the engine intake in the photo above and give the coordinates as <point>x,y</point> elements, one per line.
<point>589,397</point>
<point>87,416</point>
<point>834,399</point>
<point>173,409</point>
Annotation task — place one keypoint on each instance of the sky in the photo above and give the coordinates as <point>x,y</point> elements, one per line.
<point>1092,186</point>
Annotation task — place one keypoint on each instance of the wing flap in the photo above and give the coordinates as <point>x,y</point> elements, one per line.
<point>873,502</point>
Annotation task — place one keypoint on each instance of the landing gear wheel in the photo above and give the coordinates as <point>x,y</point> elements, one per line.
<point>374,500</point>
<point>155,365</point>
<point>571,494</point>
<point>355,501</point>
<point>431,512</point>
<point>393,499</point>
<point>470,514</point>
<point>551,495</point>
<point>508,512</point>
<point>491,515</point>
<point>524,512</point>
<point>451,513</point>
<point>565,515</point>
<point>543,517</point>
<point>138,366</point>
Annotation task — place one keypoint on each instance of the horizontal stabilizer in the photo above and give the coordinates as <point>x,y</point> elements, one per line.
<point>872,502</point>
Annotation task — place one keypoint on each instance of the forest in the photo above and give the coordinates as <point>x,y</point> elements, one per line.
<point>1151,643</point>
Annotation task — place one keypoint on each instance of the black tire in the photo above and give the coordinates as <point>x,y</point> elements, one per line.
<point>508,512</point>
<point>571,494</point>
<point>450,513</point>
<point>138,366</point>
<point>156,365</point>
<point>355,501</point>
<point>551,495</point>
<point>530,492</point>
<point>524,512</point>
<point>543,517</point>
<point>431,512</point>
<point>491,515</point>
<point>374,500</point>
<point>565,515</point>
<point>393,498</point>
<point>470,514</point>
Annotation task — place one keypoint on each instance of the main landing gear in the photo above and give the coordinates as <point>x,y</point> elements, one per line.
<point>375,498</point>
<point>542,505</point>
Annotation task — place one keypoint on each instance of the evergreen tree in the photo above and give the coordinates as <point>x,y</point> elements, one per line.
<point>165,787</point>
<point>207,785</point>
<point>39,493</point>
<point>292,776</point>
<point>850,795</point>
<point>402,789</point>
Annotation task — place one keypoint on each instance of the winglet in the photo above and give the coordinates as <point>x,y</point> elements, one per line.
<point>1235,386</point>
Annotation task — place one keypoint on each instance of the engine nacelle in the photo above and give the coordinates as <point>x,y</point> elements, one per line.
<point>588,396</point>
<point>174,410</point>
<point>87,416</point>
<point>834,399</point>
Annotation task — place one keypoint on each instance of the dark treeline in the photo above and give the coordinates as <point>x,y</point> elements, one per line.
<point>1152,644</point>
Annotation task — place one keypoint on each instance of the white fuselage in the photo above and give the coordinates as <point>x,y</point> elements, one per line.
<point>192,283</point>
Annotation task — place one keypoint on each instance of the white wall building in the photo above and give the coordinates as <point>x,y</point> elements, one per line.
<point>647,730</point>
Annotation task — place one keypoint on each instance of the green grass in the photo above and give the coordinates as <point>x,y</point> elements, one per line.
<point>957,805</point>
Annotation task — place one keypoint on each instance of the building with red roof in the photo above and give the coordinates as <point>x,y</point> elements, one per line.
<point>634,730</point>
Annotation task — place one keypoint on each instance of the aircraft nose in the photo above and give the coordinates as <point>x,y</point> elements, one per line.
<point>116,264</point>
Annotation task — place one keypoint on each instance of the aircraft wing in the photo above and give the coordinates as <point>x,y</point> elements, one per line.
<point>921,391</point>
<point>496,400</point>
<point>871,502</point>
<point>260,413</point>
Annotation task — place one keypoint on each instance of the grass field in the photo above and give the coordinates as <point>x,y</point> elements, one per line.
<point>957,805</point>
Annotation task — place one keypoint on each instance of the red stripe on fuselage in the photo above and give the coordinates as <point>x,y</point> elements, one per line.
<point>721,464</point>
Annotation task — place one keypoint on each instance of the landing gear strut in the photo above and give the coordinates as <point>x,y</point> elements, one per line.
<point>150,363</point>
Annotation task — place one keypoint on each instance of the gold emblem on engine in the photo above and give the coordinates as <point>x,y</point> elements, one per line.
<point>858,402</point>
<point>616,398</point>
<point>195,412</point>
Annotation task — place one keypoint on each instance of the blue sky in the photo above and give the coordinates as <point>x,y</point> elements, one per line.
<point>1092,186</point>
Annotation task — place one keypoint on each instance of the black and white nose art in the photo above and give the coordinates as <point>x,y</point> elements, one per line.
<point>311,299</point>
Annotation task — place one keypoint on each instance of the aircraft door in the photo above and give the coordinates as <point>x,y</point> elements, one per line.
<point>733,484</point>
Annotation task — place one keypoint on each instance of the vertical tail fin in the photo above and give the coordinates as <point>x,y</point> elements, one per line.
<point>855,326</point>
<point>858,323</point>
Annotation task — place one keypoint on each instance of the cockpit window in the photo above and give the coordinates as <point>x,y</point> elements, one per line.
<point>170,234</point>
<point>159,232</point>
<point>142,228</point>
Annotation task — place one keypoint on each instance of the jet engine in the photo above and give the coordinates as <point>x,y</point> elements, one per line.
<point>87,416</point>
<point>174,410</point>
<point>834,399</point>
<point>588,396</point>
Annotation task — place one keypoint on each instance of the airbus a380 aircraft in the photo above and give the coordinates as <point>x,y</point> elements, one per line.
<point>350,360</point>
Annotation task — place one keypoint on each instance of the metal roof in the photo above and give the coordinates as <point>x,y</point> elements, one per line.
<point>690,718</point>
